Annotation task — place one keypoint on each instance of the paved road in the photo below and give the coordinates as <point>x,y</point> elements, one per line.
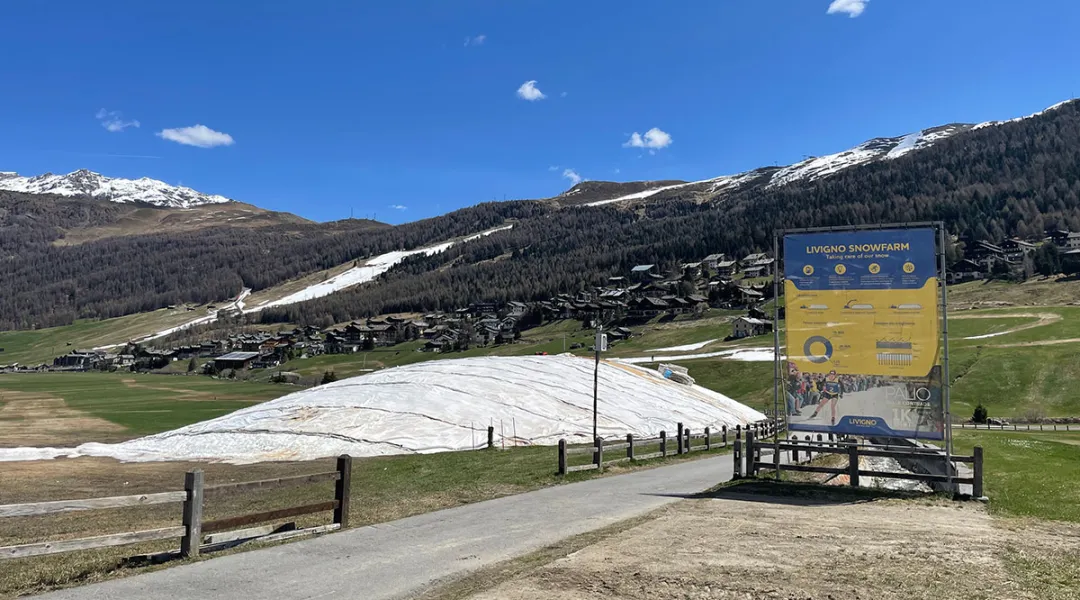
<point>398,559</point>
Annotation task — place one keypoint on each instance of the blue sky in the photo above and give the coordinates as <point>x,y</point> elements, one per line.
<point>319,108</point>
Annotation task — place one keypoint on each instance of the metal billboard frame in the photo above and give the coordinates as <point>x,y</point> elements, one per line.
<point>943,307</point>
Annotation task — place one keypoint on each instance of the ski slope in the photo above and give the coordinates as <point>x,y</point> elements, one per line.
<point>370,270</point>
<point>437,406</point>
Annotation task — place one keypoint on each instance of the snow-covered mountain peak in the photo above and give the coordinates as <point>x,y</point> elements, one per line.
<point>95,185</point>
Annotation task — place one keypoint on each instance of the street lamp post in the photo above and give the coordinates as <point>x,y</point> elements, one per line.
<point>600,344</point>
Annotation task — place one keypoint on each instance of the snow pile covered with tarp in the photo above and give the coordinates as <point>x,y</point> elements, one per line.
<point>443,405</point>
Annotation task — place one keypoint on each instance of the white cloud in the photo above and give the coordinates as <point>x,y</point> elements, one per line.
<point>618,170</point>
<point>572,176</point>
<point>553,168</point>
<point>399,207</point>
<point>853,8</point>
<point>562,95</point>
<point>197,135</point>
<point>477,40</point>
<point>529,91</point>
<point>113,120</point>
<point>654,139</point>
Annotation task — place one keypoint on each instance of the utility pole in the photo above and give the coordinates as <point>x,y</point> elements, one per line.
<point>601,342</point>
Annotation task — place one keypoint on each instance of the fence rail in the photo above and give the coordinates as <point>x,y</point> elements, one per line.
<point>1020,426</point>
<point>853,450</point>
<point>192,527</point>
<point>684,442</point>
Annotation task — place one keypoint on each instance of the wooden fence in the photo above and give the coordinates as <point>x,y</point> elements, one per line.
<point>854,450</point>
<point>1019,426</point>
<point>192,527</point>
<point>684,442</point>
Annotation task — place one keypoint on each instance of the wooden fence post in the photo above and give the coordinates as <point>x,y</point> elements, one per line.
<point>723,435</point>
<point>630,446</point>
<point>708,440</point>
<point>750,469</point>
<point>678,438</point>
<point>853,464</point>
<point>776,456</point>
<point>192,514</point>
<point>795,452</point>
<point>562,457</point>
<point>809,450</point>
<point>342,490</point>
<point>737,453</point>
<point>598,452</point>
<point>663,444</point>
<point>686,446</point>
<point>977,467</point>
<point>491,436</point>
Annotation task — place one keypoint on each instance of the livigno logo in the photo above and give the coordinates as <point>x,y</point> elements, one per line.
<point>862,422</point>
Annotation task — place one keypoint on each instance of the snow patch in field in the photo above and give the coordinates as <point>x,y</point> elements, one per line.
<point>684,348</point>
<point>438,406</point>
<point>740,354</point>
<point>19,454</point>
<point>988,335</point>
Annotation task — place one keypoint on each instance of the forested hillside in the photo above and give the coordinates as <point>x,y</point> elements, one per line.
<point>47,285</point>
<point>1015,178</point>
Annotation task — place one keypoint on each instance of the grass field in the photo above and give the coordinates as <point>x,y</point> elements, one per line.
<point>1028,474</point>
<point>141,404</point>
<point>1037,291</point>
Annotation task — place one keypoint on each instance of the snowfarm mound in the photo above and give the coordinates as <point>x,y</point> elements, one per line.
<point>439,406</point>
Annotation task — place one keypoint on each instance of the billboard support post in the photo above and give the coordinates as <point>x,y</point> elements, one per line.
<point>945,383</point>
<point>776,351</point>
<point>776,329</point>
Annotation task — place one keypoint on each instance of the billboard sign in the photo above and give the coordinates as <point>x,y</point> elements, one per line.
<point>863,333</point>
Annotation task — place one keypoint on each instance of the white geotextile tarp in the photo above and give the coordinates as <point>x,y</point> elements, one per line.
<point>443,405</point>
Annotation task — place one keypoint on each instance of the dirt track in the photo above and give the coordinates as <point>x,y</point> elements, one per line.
<point>720,548</point>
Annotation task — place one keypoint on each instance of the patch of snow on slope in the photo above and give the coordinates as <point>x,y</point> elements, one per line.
<point>907,144</point>
<point>371,269</point>
<point>821,166</point>
<point>234,305</point>
<point>1018,119</point>
<point>639,195</point>
<point>355,276</point>
<point>717,183</point>
<point>441,406</point>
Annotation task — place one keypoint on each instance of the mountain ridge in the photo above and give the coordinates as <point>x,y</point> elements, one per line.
<point>810,169</point>
<point>1021,178</point>
<point>86,183</point>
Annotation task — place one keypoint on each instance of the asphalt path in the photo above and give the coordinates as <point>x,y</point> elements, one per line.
<point>401,558</point>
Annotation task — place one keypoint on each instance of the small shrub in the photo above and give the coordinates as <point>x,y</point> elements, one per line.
<point>980,414</point>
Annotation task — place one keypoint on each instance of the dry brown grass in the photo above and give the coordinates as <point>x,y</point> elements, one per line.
<point>37,419</point>
<point>142,220</point>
